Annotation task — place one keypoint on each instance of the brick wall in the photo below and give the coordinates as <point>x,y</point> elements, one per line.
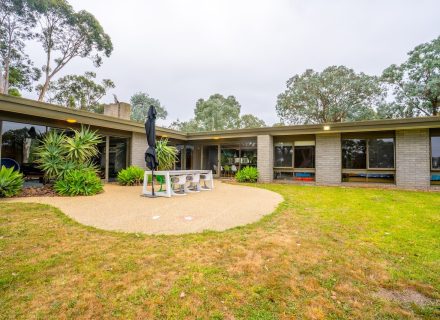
<point>328,158</point>
<point>412,158</point>
<point>138,148</point>
<point>265,157</point>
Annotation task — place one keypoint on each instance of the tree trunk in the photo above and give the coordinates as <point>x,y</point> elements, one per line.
<point>43,90</point>
<point>6,84</point>
<point>1,78</point>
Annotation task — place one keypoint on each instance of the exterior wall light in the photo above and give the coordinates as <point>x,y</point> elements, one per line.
<point>71,120</point>
<point>326,128</point>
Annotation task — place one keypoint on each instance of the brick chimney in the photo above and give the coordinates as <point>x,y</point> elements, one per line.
<point>120,110</point>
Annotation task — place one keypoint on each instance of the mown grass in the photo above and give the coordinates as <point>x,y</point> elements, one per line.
<point>322,255</point>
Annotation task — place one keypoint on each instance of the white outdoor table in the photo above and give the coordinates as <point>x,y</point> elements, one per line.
<point>168,174</point>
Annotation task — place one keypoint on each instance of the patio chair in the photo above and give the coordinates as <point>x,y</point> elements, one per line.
<point>9,163</point>
<point>234,169</point>
<point>205,177</point>
<point>194,182</point>
<point>180,181</point>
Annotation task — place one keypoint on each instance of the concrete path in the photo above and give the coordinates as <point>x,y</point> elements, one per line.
<point>123,209</point>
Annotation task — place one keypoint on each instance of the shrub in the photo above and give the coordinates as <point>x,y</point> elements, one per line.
<point>79,183</point>
<point>132,176</point>
<point>59,153</point>
<point>247,174</point>
<point>11,182</point>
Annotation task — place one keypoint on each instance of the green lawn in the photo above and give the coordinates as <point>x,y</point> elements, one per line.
<point>322,255</point>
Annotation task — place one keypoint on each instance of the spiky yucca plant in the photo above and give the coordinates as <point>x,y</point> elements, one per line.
<point>59,153</point>
<point>166,155</point>
<point>82,147</point>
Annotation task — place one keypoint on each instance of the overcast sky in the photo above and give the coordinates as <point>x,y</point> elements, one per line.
<point>179,51</point>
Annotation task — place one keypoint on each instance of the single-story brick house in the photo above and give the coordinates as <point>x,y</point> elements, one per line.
<point>399,152</point>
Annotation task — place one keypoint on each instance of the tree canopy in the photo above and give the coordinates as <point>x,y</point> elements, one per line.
<point>79,91</point>
<point>251,121</point>
<point>334,95</point>
<point>415,83</point>
<point>140,102</point>
<point>217,113</point>
<point>66,34</point>
<point>16,23</point>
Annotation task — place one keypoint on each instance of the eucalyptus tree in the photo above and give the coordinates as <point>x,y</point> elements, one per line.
<point>79,91</point>
<point>251,121</point>
<point>140,102</point>
<point>217,113</point>
<point>415,83</point>
<point>16,25</point>
<point>65,35</point>
<point>334,95</point>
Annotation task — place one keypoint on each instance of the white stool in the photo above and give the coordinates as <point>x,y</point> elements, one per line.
<point>181,182</point>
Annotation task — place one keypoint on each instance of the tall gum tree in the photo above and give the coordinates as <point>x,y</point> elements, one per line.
<point>16,23</point>
<point>336,94</point>
<point>65,35</point>
<point>415,83</point>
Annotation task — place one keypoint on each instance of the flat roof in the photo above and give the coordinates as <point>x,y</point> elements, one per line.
<point>27,107</point>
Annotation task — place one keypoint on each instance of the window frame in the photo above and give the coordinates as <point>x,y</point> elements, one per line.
<point>292,169</point>
<point>369,170</point>
<point>367,155</point>
<point>431,135</point>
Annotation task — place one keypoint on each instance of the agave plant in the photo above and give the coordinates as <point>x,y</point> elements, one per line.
<point>82,146</point>
<point>11,182</point>
<point>59,153</point>
<point>51,154</point>
<point>166,155</point>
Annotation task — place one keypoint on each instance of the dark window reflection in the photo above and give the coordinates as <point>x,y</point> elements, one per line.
<point>117,156</point>
<point>189,157</point>
<point>178,162</point>
<point>381,153</point>
<point>19,141</point>
<point>304,156</point>
<point>283,156</point>
<point>435,152</point>
<point>354,154</point>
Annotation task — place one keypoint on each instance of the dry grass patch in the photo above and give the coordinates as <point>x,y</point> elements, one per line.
<point>309,260</point>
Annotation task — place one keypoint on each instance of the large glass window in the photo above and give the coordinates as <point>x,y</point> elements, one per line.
<point>117,156</point>
<point>230,160</point>
<point>435,159</point>
<point>210,158</point>
<point>368,160</point>
<point>435,152</point>
<point>354,154</point>
<point>189,157</point>
<point>381,153</point>
<point>179,157</point>
<point>304,156</point>
<point>295,160</point>
<point>99,160</point>
<point>249,157</point>
<point>283,155</point>
<point>19,141</point>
